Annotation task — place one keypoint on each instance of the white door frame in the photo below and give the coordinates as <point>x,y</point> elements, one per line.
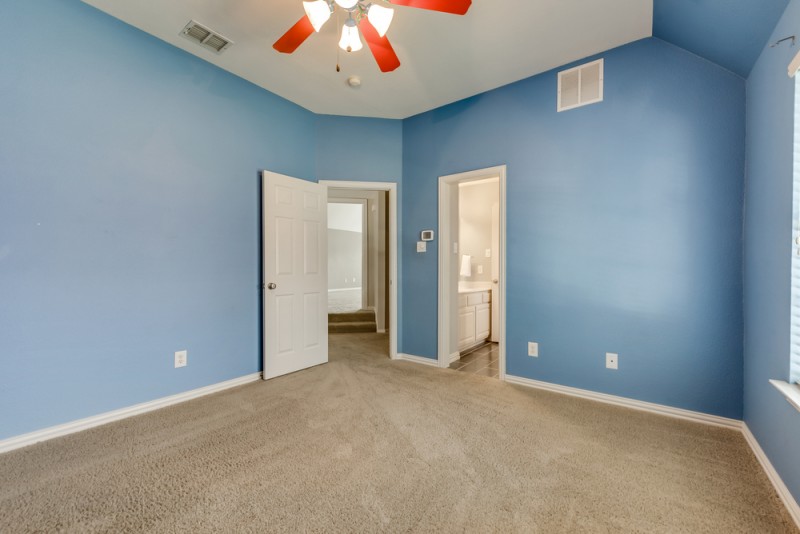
<point>391,188</point>
<point>448,186</point>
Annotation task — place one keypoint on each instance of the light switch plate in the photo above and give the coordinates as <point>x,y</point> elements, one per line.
<point>422,246</point>
<point>533,349</point>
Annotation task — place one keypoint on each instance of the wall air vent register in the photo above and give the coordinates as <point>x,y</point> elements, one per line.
<point>580,86</point>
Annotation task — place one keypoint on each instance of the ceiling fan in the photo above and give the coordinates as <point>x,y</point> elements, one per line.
<point>372,18</point>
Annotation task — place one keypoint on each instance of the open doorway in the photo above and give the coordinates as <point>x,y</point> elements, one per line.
<point>348,269</point>
<point>362,256</point>
<point>471,272</point>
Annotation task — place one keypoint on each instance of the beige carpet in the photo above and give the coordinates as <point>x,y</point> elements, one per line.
<point>364,444</point>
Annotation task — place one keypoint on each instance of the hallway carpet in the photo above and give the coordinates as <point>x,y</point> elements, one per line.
<point>364,444</point>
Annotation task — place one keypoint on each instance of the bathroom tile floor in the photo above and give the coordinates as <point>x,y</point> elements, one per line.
<point>482,360</point>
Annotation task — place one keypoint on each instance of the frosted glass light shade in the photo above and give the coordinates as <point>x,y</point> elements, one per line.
<point>318,13</point>
<point>351,40</point>
<point>380,17</point>
<point>346,4</point>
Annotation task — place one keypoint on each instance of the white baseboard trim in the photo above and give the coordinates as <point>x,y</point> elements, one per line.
<point>454,357</point>
<point>381,330</point>
<point>772,474</point>
<point>418,359</point>
<point>661,409</point>
<point>16,442</point>
<point>698,417</point>
<point>785,495</point>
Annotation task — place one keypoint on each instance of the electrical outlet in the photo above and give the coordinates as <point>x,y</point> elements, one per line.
<point>533,349</point>
<point>612,360</point>
<point>422,246</point>
<point>480,269</point>
<point>181,358</point>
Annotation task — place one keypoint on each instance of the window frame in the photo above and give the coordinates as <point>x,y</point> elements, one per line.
<point>790,389</point>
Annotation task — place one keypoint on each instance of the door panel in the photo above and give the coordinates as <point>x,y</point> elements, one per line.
<point>311,319</point>
<point>284,314</point>
<point>311,245</point>
<point>295,274</point>
<point>283,245</point>
<point>482,321</point>
<point>466,327</point>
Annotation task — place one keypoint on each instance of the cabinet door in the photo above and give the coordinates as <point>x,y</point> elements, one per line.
<point>466,327</point>
<point>474,299</point>
<point>483,314</point>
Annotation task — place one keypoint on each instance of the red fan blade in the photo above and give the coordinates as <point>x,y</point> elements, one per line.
<point>456,7</point>
<point>380,47</point>
<point>298,33</point>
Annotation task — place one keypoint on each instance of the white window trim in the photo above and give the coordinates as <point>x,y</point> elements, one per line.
<point>791,392</point>
<point>794,66</point>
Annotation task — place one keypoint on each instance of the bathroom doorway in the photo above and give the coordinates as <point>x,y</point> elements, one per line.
<point>471,272</point>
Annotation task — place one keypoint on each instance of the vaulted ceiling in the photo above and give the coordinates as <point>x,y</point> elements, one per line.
<point>731,33</point>
<point>444,57</point>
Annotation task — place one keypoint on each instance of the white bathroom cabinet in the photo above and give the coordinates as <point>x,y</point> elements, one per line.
<point>474,318</point>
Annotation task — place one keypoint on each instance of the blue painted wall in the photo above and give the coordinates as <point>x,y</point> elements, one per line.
<point>359,149</point>
<point>129,214</point>
<point>624,225</point>
<point>364,150</point>
<point>730,33</point>
<point>127,232</point>
<point>767,252</point>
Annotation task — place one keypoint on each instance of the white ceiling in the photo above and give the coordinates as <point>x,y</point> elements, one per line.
<point>444,58</point>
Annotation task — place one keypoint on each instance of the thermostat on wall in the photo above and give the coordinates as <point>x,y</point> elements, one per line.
<point>427,235</point>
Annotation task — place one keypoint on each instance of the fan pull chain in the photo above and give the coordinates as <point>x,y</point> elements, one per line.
<point>338,52</point>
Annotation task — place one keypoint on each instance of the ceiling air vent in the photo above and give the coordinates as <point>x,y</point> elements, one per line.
<point>580,86</point>
<point>200,34</point>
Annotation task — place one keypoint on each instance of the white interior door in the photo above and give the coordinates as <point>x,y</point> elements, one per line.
<point>495,338</point>
<point>455,339</point>
<point>295,274</point>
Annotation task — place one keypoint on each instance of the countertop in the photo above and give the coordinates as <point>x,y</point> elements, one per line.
<point>464,290</point>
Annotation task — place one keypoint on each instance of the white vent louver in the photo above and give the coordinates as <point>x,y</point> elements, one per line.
<point>209,39</point>
<point>580,85</point>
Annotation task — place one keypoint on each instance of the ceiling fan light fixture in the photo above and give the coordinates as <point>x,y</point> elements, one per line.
<point>318,13</point>
<point>351,39</point>
<point>346,4</point>
<point>380,17</point>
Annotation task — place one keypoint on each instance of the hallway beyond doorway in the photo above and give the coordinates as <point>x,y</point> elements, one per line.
<point>344,300</point>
